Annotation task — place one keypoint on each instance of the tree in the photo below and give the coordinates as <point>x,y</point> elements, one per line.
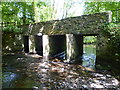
<point>19,13</point>
<point>93,7</point>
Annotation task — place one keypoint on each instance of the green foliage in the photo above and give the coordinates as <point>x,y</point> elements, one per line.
<point>94,7</point>
<point>15,11</point>
<point>112,32</point>
<point>89,39</point>
<point>19,13</point>
<point>11,28</point>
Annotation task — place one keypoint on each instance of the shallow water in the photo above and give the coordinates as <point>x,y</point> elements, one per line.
<point>13,73</point>
<point>89,56</point>
<point>16,80</point>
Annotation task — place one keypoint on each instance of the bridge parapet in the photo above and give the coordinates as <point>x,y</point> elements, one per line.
<point>85,24</point>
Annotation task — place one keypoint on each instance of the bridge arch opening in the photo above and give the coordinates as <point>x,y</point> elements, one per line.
<point>89,51</point>
<point>68,47</point>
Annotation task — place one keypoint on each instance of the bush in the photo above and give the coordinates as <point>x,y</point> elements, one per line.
<point>112,32</point>
<point>11,28</point>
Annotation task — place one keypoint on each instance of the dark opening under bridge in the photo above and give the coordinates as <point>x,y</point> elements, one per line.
<point>63,35</point>
<point>70,45</point>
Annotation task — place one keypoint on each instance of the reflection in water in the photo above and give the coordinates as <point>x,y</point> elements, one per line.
<point>8,77</point>
<point>89,56</point>
<point>16,80</point>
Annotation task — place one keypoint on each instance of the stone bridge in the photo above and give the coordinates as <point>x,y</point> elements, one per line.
<point>52,37</point>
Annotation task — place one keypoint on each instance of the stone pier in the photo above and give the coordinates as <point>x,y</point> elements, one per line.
<point>74,47</point>
<point>46,48</point>
<point>29,44</point>
<point>32,44</point>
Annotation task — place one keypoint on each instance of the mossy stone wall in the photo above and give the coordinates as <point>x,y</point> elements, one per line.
<point>85,24</point>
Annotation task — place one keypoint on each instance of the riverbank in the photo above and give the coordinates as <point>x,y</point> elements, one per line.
<point>54,74</point>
